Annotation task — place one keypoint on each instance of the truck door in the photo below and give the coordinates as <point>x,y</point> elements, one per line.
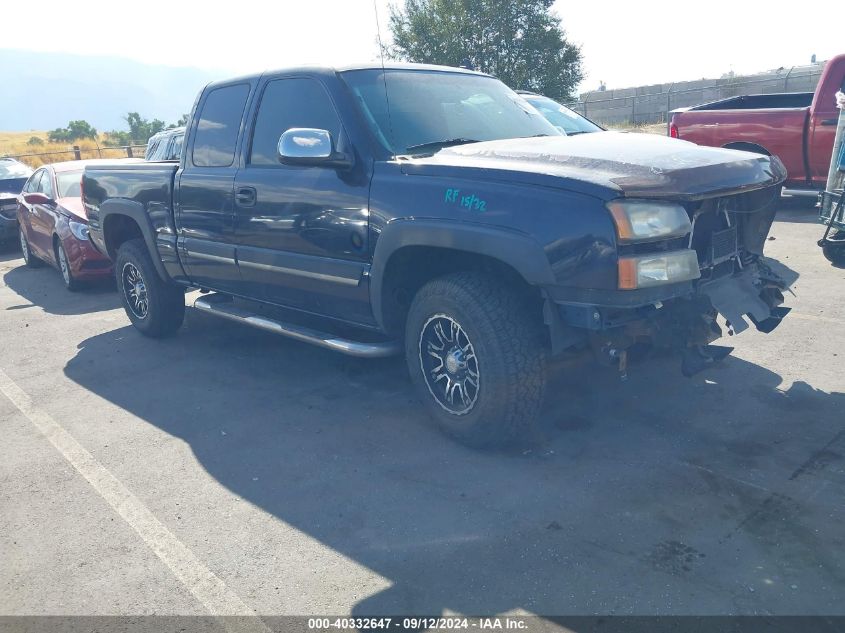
<point>301,231</point>
<point>204,197</point>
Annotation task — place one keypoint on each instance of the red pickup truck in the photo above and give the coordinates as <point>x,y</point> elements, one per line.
<point>798,127</point>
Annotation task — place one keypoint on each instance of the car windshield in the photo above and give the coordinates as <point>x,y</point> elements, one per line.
<point>69,184</point>
<point>563,118</point>
<point>13,169</point>
<point>430,110</point>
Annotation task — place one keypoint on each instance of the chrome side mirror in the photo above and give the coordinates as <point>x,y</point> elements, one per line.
<point>310,146</point>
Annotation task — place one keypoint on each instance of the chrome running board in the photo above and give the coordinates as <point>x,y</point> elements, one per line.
<point>221,306</point>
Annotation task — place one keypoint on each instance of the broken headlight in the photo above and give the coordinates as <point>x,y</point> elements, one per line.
<point>644,271</point>
<point>646,220</point>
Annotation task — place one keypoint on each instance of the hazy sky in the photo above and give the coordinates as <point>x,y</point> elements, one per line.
<point>624,43</point>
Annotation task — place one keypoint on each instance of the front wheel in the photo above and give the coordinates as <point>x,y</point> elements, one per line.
<point>155,306</point>
<point>71,283</point>
<point>477,356</point>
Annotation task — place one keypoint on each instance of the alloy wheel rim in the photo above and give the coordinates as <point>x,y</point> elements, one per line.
<point>24,247</point>
<point>64,265</point>
<point>449,364</point>
<point>135,290</point>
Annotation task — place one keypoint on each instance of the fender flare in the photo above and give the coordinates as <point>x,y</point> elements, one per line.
<point>136,212</point>
<point>517,250</point>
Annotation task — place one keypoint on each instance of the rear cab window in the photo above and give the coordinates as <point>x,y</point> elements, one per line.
<point>216,137</point>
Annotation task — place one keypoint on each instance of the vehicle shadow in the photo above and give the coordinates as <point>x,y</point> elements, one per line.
<point>43,287</point>
<point>659,494</point>
<point>797,210</point>
<point>10,251</point>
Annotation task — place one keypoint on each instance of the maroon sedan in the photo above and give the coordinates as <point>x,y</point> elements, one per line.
<point>54,227</point>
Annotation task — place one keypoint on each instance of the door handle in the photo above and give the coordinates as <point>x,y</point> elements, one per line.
<point>246,196</point>
<point>829,122</point>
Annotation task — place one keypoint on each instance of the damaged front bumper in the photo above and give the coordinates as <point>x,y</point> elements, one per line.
<point>755,292</point>
<point>685,318</point>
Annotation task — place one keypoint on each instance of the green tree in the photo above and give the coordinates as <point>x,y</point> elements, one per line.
<point>140,129</point>
<point>117,138</point>
<point>521,42</point>
<point>74,131</point>
<point>35,140</point>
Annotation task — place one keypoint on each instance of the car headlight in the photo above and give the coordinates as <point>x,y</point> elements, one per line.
<point>644,271</point>
<point>645,220</point>
<point>79,230</point>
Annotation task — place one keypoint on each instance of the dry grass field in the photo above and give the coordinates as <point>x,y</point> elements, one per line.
<point>17,144</point>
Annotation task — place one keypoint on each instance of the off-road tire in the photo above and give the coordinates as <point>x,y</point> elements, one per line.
<point>164,308</point>
<point>509,344</point>
<point>29,259</point>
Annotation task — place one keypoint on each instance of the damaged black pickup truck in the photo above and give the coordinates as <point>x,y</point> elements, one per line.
<point>434,212</point>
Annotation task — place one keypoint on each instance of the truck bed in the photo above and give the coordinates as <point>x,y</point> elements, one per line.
<point>149,184</point>
<point>760,102</point>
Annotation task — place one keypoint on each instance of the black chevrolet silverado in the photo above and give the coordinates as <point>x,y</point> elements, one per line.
<point>433,212</point>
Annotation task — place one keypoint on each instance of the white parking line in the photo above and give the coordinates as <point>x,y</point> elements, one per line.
<point>206,587</point>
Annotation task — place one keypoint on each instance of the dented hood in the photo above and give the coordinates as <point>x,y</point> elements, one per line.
<point>627,164</point>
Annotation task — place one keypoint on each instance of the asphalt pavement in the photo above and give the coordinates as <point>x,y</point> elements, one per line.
<point>227,471</point>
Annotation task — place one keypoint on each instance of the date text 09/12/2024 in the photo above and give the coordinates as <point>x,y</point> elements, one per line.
<point>418,623</point>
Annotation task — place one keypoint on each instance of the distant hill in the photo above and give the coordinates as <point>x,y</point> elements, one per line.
<point>42,91</point>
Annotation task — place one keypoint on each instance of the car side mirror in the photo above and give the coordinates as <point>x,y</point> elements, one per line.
<point>312,147</point>
<point>36,198</point>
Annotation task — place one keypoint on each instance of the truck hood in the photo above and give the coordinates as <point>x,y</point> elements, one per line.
<point>627,164</point>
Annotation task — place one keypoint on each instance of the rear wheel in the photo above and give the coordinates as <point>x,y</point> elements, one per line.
<point>71,283</point>
<point>29,259</point>
<point>477,357</point>
<point>155,307</point>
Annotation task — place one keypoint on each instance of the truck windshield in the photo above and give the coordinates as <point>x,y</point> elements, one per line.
<point>430,110</point>
<point>562,117</point>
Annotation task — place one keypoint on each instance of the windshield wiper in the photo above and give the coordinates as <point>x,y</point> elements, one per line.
<point>577,132</point>
<point>438,145</point>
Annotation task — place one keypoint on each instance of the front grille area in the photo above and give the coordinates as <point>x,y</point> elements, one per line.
<point>723,245</point>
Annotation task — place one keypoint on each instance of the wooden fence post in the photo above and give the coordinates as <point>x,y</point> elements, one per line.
<point>129,151</point>
<point>77,154</point>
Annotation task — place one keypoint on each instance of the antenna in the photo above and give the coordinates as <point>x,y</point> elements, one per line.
<point>384,74</point>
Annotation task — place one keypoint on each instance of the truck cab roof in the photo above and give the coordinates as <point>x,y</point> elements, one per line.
<point>332,70</point>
